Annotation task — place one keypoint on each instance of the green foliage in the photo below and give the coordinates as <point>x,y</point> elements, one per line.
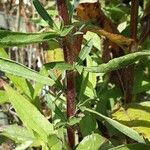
<point>8,38</point>
<point>117,63</point>
<point>132,146</point>
<point>93,141</point>
<point>39,108</point>
<point>137,116</point>
<point>122,128</point>
<point>43,13</point>
<point>15,68</point>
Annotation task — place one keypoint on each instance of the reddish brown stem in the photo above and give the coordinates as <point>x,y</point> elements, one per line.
<point>133,34</point>
<point>134,19</point>
<point>63,11</point>
<point>70,75</point>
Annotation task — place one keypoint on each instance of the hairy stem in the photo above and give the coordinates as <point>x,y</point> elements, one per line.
<point>133,34</point>
<point>134,19</point>
<point>70,75</point>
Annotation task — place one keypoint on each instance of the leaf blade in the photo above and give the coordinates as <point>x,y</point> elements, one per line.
<point>29,114</point>
<point>8,38</point>
<point>117,63</point>
<point>122,128</point>
<point>14,68</point>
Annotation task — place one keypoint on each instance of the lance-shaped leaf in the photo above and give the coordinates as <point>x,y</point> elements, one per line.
<point>85,51</point>
<point>3,97</point>
<point>122,128</point>
<point>43,13</point>
<point>29,114</point>
<point>17,69</point>
<point>136,146</point>
<point>59,65</point>
<point>8,38</point>
<point>17,133</point>
<point>136,116</point>
<point>117,63</point>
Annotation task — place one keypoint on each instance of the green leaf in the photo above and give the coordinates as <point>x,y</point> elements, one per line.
<point>122,128</point>
<point>85,51</point>
<point>24,145</point>
<point>117,63</point>
<point>17,69</point>
<point>22,84</point>
<point>59,65</point>
<point>51,102</point>
<point>17,133</point>
<point>136,146</point>
<point>84,82</point>
<point>66,30</point>
<point>136,116</point>
<point>3,97</point>
<point>54,143</point>
<point>43,13</point>
<point>29,114</point>
<point>73,120</point>
<point>97,42</point>
<point>8,38</point>
<point>84,124</point>
<point>3,53</point>
<point>91,142</point>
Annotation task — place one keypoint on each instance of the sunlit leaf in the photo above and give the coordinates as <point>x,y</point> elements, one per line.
<point>3,97</point>
<point>17,133</point>
<point>117,63</point>
<point>91,142</point>
<point>136,116</point>
<point>29,114</point>
<point>17,69</point>
<point>8,38</point>
<point>85,51</point>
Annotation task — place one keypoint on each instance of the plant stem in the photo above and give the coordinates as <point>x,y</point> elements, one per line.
<point>133,34</point>
<point>134,19</point>
<point>63,11</point>
<point>70,75</point>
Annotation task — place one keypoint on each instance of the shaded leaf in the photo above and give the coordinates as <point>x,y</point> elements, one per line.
<point>87,120</point>
<point>43,13</point>
<point>122,128</point>
<point>132,147</point>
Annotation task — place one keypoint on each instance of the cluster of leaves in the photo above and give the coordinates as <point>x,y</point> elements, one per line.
<point>96,97</point>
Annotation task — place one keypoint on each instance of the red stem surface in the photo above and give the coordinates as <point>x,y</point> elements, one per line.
<point>70,75</point>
